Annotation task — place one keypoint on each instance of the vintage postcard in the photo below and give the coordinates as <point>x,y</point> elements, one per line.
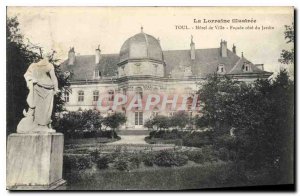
<point>150,98</point>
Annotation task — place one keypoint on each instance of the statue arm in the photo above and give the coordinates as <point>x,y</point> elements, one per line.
<point>29,76</point>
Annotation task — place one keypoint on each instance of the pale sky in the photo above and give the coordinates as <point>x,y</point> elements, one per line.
<point>59,28</point>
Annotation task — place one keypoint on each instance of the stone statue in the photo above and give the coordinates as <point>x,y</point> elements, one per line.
<point>42,84</point>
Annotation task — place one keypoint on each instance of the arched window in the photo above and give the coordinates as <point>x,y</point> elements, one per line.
<point>96,95</point>
<point>80,96</point>
<point>139,91</point>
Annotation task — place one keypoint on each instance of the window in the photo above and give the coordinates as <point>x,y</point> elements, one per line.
<point>95,95</point>
<point>111,94</point>
<point>246,68</point>
<point>137,68</point>
<point>139,91</point>
<point>66,97</point>
<point>138,120</point>
<point>221,69</point>
<point>97,74</point>
<point>171,114</point>
<point>80,96</point>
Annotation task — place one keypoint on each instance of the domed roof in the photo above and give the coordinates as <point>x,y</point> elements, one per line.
<point>141,46</point>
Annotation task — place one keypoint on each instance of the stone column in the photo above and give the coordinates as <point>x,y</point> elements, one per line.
<point>34,161</point>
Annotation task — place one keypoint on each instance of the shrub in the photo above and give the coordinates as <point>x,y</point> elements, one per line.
<point>196,156</point>
<point>180,159</point>
<point>135,160</point>
<point>149,159</point>
<point>121,163</point>
<point>209,154</point>
<point>223,154</point>
<point>83,162</point>
<point>95,155</point>
<point>165,159</point>
<point>78,162</point>
<point>191,139</point>
<point>102,162</point>
<point>169,158</point>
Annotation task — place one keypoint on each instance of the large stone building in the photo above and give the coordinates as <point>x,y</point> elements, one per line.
<point>143,68</point>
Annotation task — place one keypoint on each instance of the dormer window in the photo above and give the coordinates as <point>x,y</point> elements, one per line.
<point>221,69</point>
<point>97,74</point>
<point>246,68</point>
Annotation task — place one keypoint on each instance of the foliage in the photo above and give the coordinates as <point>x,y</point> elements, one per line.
<point>115,120</point>
<point>188,138</point>
<point>95,155</point>
<point>82,124</point>
<point>168,158</point>
<point>121,163</point>
<point>148,159</point>
<point>102,162</point>
<point>286,56</point>
<point>261,116</point>
<point>179,119</point>
<point>135,159</point>
<point>159,121</point>
<point>81,162</point>
<point>196,156</point>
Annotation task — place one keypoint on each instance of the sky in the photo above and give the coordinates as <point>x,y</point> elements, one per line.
<point>60,28</point>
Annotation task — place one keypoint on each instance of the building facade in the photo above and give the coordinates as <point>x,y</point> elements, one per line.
<point>143,70</point>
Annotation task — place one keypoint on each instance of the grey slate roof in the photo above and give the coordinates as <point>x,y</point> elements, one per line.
<point>206,62</point>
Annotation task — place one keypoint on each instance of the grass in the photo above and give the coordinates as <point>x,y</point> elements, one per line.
<point>191,176</point>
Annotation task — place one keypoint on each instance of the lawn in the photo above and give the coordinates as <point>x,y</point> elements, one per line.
<point>190,176</point>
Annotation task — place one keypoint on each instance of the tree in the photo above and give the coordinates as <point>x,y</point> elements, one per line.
<point>19,57</point>
<point>78,124</point>
<point>262,116</point>
<point>179,119</point>
<point>287,56</point>
<point>114,121</point>
<point>161,122</point>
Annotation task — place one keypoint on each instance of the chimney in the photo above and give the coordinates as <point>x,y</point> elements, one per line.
<point>71,56</point>
<point>223,47</point>
<point>193,55</point>
<point>98,55</point>
<point>234,49</point>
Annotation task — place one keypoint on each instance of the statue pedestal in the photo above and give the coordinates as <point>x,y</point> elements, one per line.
<point>34,161</point>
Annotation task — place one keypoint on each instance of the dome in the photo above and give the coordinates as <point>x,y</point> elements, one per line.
<point>141,46</point>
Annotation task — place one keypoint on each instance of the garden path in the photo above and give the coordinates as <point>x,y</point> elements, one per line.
<point>131,139</point>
